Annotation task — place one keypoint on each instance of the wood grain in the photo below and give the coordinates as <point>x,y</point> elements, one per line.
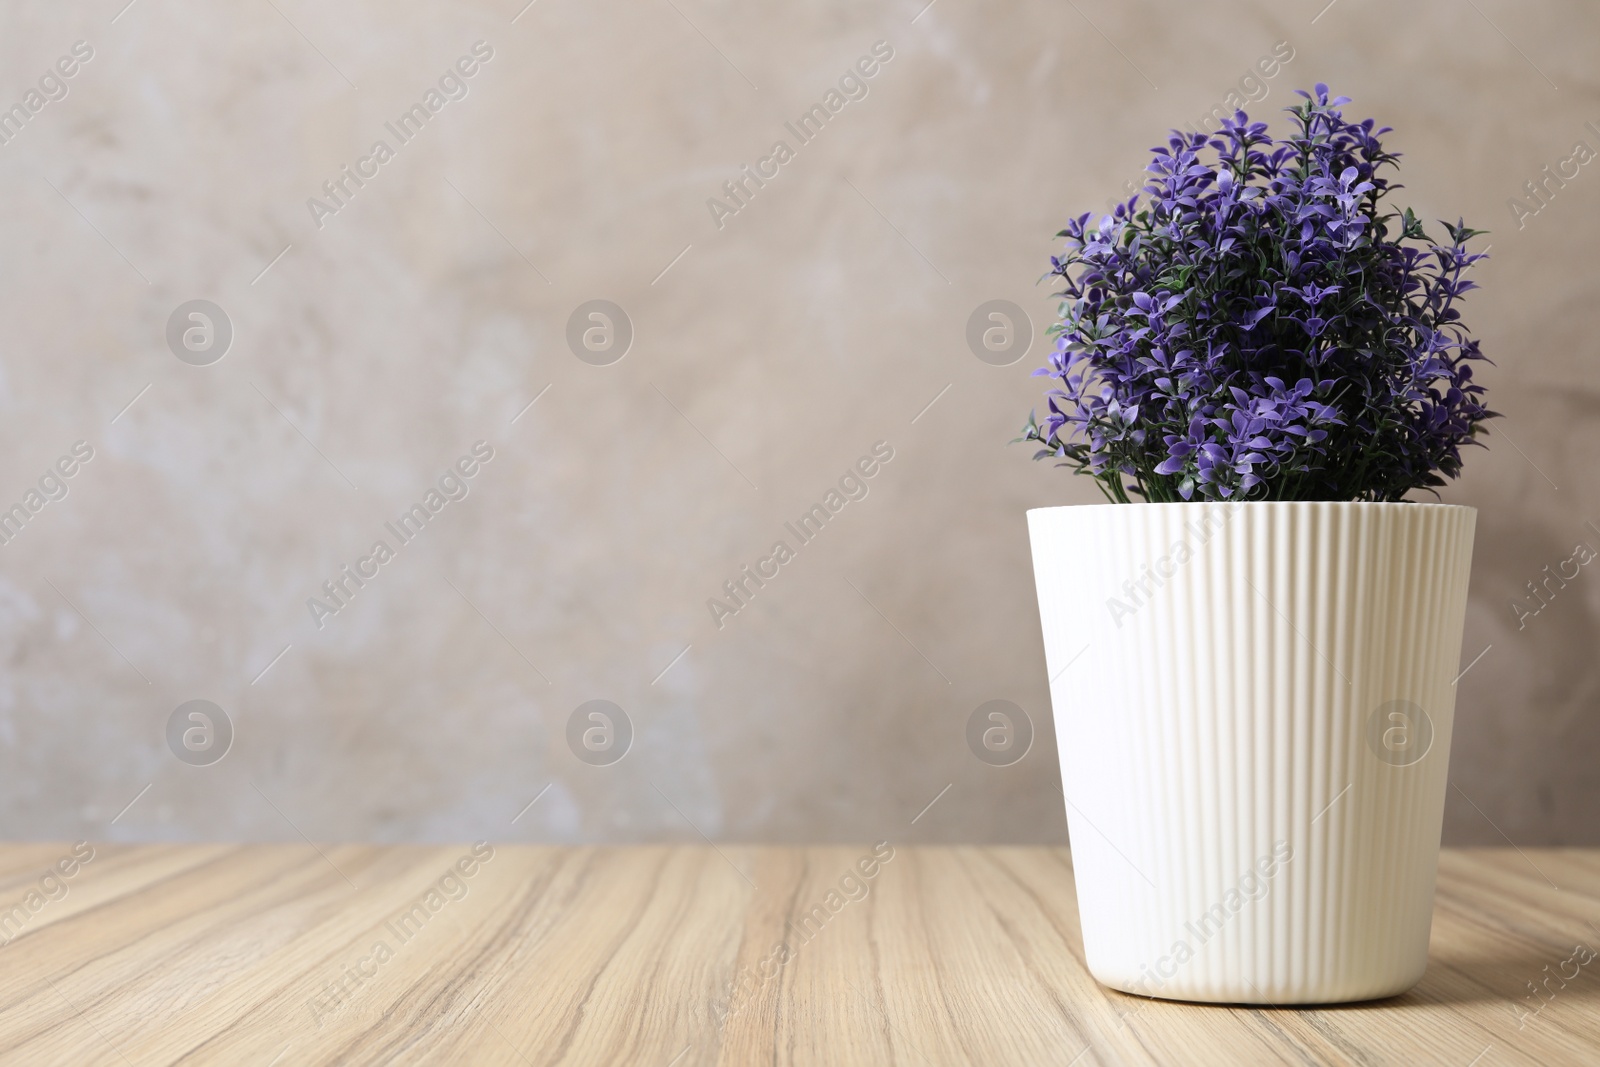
<point>268,954</point>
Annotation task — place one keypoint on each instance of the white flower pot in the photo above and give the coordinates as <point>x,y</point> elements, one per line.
<point>1253,705</point>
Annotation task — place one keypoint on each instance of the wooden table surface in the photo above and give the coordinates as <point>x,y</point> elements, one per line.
<point>672,956</point>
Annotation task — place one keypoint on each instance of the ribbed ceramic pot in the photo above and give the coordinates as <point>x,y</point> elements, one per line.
<point>1253,706</point>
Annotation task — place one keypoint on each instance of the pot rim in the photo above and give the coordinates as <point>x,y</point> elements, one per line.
<point>1258,504</point>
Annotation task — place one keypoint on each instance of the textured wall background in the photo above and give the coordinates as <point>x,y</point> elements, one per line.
<point>769,354</point>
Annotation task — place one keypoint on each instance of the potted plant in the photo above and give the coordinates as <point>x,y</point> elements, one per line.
<point>1253,647</point>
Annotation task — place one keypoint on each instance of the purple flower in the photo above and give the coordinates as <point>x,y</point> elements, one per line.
<point>1248,264</point>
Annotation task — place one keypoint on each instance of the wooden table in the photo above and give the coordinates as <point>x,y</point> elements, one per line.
<point>288,954</point>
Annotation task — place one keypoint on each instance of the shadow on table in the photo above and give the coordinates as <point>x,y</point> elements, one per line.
<point>1459,978</point>
<point>1507,975</point>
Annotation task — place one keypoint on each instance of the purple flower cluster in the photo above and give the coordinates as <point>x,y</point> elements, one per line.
<point>1261,327</point>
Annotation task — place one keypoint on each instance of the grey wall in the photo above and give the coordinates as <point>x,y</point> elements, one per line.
<point>770,353</point>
